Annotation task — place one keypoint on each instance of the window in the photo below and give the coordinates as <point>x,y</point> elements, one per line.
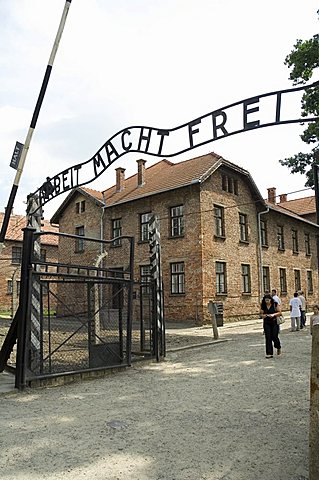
<point>283,280</point>
<point>146,277</point>
<point>294,236</point>
<point>307,244</point>
<point>219,221</point>
<point>16,254</point>
<point>18,287</point>
<point>280,237</point>
<point>264,233</point>
<point>9,287</point>
<point>245,275</point>
<point>116,232</point>
<point>80,206</point>
<point>229,184</point>
<point>221,285</point>
<point>266,279</point>
<point>79,242</point>
<point>177,277</point>
<point>309,281</point>
<point>177,221</point>
<point>297,280</point>
<point>43,254</point>
<point>144,231</point>
<point>243,228</point>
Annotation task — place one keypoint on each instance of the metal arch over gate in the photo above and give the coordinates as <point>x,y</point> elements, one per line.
<point>93,316</point>
<point>244,115</point>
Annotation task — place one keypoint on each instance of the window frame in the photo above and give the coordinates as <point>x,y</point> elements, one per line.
<point>79,242</point>
<point>264,233</point>
<point>243,227</point>
<point>80,206</point>
<point>116,231</point>
<point>246,278</point>
<point>307,244</point>
<point>266,278</point>
<point>309,282</point>
<point>177,221</point>
<point>221,278</point>
<point>144,233</point>
<point>283,281</point>
<point>16,255</point>
<point>177,278</point>
<point>294,239</point>
<point>280,237</point>
<point>219,221</point>
<point>145,278</point>
<point>297,279</point>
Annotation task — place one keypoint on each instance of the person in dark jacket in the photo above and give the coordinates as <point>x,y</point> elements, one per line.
<point>269,311</point>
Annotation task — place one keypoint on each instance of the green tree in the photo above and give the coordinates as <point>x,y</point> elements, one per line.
<point>303,61</point>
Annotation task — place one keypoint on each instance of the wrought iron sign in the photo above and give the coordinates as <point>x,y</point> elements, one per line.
<point>260,111</point>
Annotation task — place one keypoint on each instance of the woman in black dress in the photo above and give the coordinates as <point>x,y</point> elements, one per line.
<point>269,312</point>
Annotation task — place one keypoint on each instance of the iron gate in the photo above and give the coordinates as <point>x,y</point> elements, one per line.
<point>81,312</point>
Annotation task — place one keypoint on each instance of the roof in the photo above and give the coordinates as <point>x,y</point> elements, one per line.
<point>277,207</point>
<point>165,175</point>
<point>94,195</point>
<point>17,222</point>
<point>301,206</point>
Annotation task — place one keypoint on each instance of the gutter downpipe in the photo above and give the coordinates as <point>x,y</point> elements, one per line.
<point>261,254</point>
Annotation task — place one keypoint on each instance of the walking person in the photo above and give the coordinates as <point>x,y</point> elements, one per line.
<point>269,311</point>
<point>295,312</point>
<point>275,296</point>
<point>303,309</point>
<point>314,319</point>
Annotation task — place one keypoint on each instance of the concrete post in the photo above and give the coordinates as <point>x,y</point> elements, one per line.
<point>314,407</point>
<point>213,311</point>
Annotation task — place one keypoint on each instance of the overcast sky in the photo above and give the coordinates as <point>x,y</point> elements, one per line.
<point>156,63</point>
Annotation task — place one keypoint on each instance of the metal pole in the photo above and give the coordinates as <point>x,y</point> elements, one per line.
<point>35,116</point>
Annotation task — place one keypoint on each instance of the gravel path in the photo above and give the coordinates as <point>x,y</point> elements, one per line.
<point>218,412</point>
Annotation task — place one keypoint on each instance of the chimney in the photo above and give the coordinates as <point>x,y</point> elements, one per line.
<point>120,178</point>
<point>283,198</point>
<point>272,195</point>
<point>140,172</point>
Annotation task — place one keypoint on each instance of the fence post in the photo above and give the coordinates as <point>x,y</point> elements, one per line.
<point>314,407</point>
<point>24,305</point>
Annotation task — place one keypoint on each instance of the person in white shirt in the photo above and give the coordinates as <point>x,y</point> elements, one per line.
<point>275,296</point>
<point>303,309</point>
<point>295,312</point>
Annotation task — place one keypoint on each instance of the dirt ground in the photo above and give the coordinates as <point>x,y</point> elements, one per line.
<point>215,412</point>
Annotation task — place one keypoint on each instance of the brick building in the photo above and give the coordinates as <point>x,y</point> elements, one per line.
<point>220,240</point>
<point>11,255</point>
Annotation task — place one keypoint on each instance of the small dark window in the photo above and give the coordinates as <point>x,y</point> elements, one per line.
<point>116,232</point>
<point>80,206</point>
<point>243,228</point>
<point>294,236</point>
<point>264,233</point>
<point>177,278</point>
<point>79,242</point>
<point>283,280</point>
<point>245,275</point>
<point>219,221</point>
<point>16,254</point>
<point>307,244</point>
<point>144,230</point>
<point>280,237</point>
<point>221,284</point>
<point>177,221</point>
